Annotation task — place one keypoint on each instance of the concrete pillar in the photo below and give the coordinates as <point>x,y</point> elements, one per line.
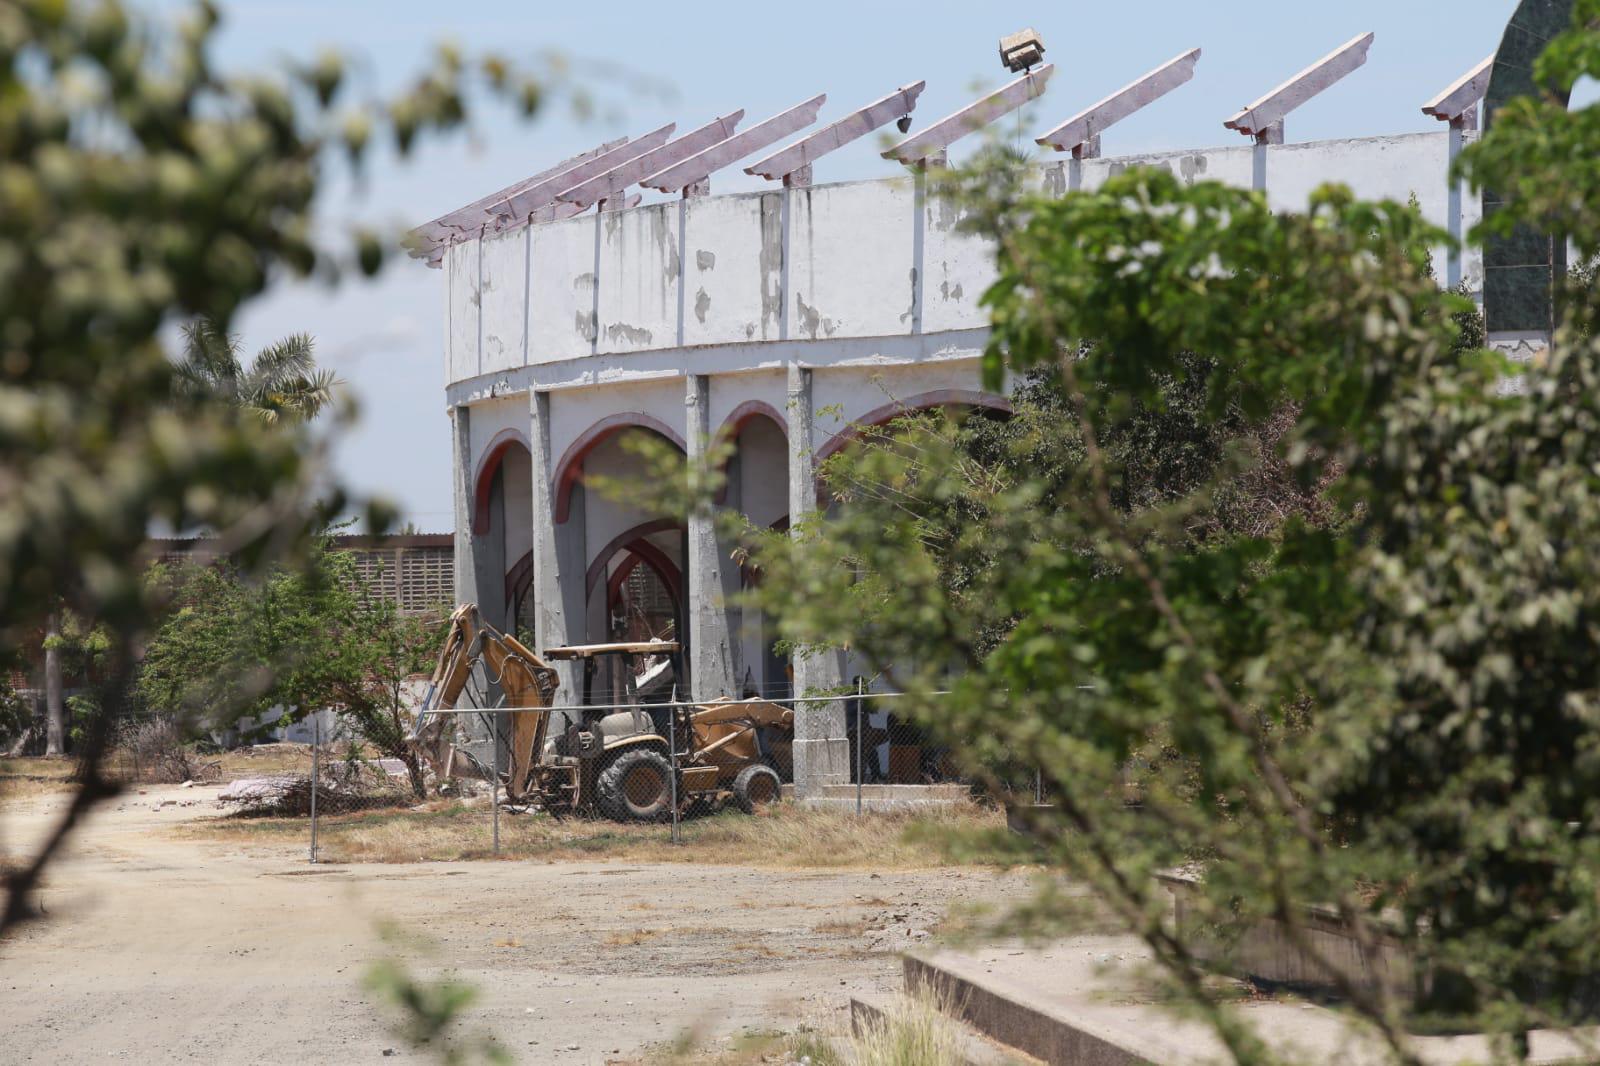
<point>466,562</point>
<point>713,669</point>
<point>559,561</point>
<point>55,697</point>
<point>821,747</point>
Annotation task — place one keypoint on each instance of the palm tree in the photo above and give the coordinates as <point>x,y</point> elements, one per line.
<point>282,381</point>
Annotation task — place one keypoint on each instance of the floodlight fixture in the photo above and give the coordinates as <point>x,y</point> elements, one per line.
<point>1021,51</point>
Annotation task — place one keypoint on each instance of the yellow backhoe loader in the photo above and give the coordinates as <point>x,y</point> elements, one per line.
<point>609,750</point>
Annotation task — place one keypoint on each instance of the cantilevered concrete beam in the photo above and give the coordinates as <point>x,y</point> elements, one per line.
<point>794,161</point>
<point>608,185</point>
<point>1080,134</point>
<point>1459,103</point>
<point>699,167</point>
<point>469,220</point>
<point>1263,119</point>
<point>932,142</point>
<point>543,193</point>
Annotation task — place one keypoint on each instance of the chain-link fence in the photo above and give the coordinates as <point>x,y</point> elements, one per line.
<point>678,768</point>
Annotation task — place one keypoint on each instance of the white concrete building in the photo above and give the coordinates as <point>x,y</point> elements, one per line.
<point>775,319</point>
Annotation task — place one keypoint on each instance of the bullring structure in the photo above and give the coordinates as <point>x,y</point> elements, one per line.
<point>579,317</point>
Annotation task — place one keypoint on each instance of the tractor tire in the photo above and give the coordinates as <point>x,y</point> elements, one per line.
<point>636,786</point>
<point>756,786</point>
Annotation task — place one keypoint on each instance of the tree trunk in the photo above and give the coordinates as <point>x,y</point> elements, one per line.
<point>419,786</point>
<point>55,701</point>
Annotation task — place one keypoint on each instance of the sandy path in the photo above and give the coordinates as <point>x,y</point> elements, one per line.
<point>161,948</point>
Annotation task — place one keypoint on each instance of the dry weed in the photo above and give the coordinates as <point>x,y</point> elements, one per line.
<point>786,836</point>
<point>916,1030</point>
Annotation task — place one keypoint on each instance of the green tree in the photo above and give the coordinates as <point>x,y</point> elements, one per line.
<point>382,650</point>
<point>145,186</point>
<point>1381,698</point>
<point>283,646</point>
<point>282,380</point>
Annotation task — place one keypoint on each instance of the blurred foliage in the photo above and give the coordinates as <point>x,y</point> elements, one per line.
<point>282,646</point>
<point>143,188</point>
<point>428,1013</point>
<point>1276,575</point>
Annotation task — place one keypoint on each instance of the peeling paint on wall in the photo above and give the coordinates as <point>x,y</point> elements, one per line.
<point>584,322</point>
<point>812,322</point>
<point>705,260</point>
<point>702,304</point>
<point>622,332</point>
<point>771,264</point>
<point>1192,166</point>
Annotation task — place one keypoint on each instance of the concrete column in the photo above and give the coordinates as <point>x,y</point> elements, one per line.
<point>713,670</point>
<point>55,699</point>
<point>558,554</point>
<point>821,747</point>
<point>466,564</point>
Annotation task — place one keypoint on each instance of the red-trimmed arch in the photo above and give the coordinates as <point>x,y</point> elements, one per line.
<point>642,551</point>
<point>737,419</point>
<point>570,467</point>
<point>750,409</point>
<point>626,539</point>
<point>483,477</point>
<point>972,398</point>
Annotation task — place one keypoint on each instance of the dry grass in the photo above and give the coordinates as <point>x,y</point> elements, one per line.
<point>916,1030</point>
<point>35,776</point>
<point>784,836</point>
<point>632,937</point>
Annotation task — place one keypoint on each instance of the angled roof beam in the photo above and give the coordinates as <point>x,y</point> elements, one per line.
<point>1458,105</point>
<point>543,193</point>
<point>792,163</point>
<point>606,186</point>
<point>931,144</point>
<point>690,175</point>
<point>1263,119</point>
<point>548,213</point>
<point>468,220</point>
<point>1080,134</point>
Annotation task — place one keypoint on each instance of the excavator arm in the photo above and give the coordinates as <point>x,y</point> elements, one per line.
<point>527,684</point>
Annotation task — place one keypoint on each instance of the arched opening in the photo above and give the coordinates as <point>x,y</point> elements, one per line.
<point>502,498</point>
<point>939,399</point>
<point>757,485</point>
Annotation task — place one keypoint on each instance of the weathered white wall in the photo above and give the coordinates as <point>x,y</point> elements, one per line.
<point>734,262</point>
<point>561,290</point>
<point>461,281</point>
<point>852,265</point>
<point>505,292</point>
<point>639,265</point>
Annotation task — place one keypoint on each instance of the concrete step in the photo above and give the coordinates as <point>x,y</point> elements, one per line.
<point>884,797</point>
<point>975,1048</point>
<point>1092,1001</point>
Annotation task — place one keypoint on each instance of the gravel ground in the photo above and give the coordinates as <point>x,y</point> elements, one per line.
<point>162,948</point>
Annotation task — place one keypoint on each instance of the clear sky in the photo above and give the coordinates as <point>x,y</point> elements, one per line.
<point>384,339</point>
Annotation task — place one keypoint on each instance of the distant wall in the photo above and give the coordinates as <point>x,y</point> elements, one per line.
<point>535,306</point>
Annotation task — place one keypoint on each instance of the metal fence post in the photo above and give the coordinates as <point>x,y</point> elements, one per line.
<point>316,743</point>
<point>672,762</point>
<point>861,767</point>
<point>494,784</point>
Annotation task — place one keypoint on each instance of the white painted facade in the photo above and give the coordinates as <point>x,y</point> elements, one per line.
<point>779,317</point>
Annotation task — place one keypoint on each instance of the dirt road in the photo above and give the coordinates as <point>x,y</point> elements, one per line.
<point>164,949</point>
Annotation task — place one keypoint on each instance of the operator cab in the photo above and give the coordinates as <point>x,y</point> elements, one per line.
<point>621,681</point>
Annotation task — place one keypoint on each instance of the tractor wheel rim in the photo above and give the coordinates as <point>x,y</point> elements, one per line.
<point>644,787</point>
